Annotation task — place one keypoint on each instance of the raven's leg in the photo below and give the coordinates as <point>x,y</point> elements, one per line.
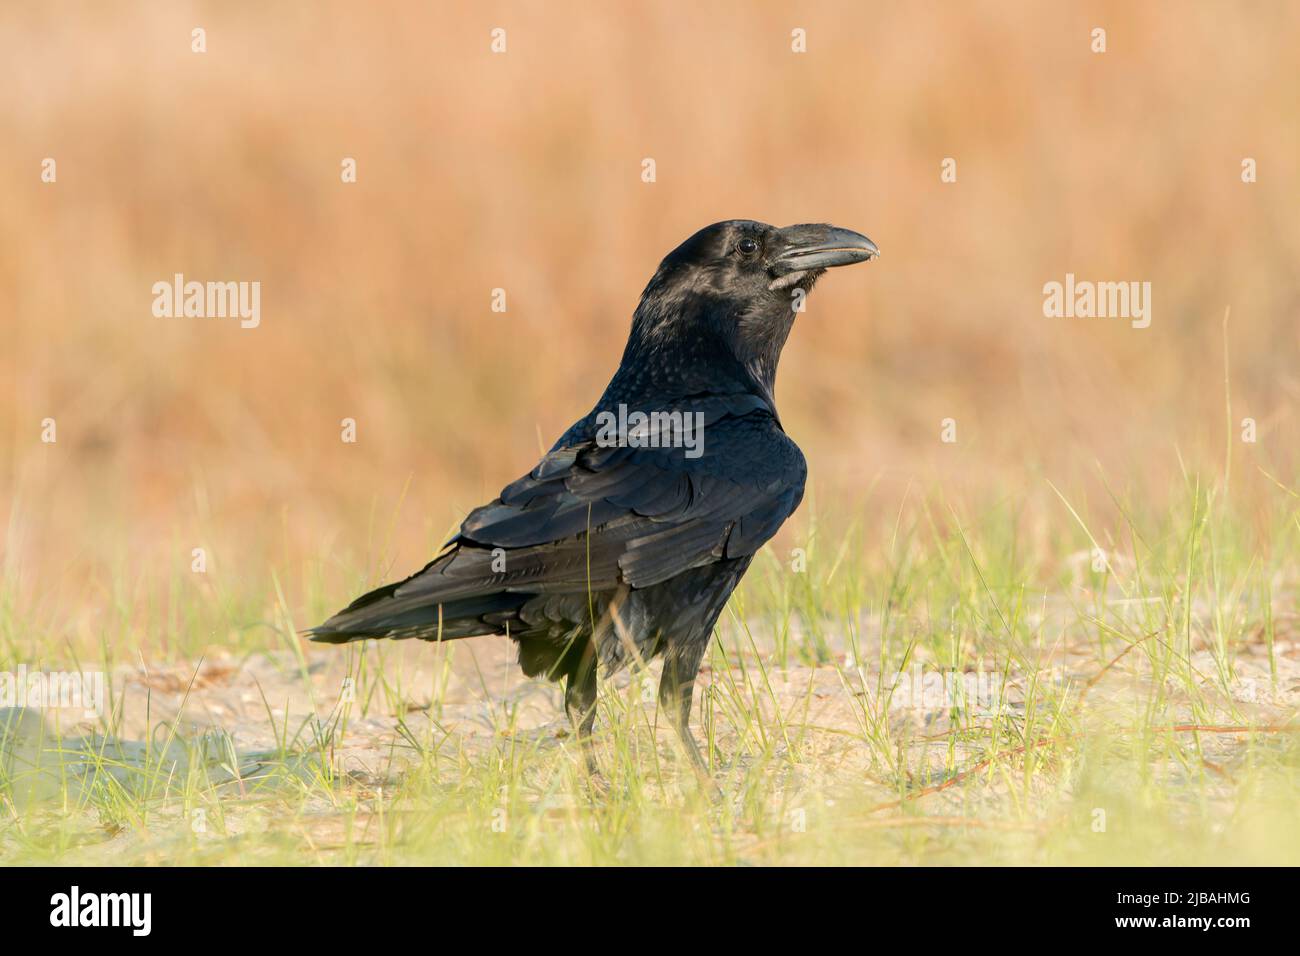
<point>676,686</point>
<point>580,702</point>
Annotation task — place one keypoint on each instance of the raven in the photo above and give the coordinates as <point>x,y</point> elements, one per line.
<point>627,538</point>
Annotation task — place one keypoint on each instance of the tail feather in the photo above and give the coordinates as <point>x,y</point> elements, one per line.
<point>465,592</point>
<point>464,617</point>
<point>449,610</point>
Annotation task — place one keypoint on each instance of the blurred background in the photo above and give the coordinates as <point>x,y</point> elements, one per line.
<point>522,170</point>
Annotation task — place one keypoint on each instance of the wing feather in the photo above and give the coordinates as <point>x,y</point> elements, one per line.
<point>590,518</point>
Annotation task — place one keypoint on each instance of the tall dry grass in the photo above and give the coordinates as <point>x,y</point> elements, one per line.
<point>522,170</point>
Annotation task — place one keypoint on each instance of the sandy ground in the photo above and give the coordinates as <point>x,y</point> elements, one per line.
<point>233,713</point>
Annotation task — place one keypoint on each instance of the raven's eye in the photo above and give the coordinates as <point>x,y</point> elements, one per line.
<point>747,247</point>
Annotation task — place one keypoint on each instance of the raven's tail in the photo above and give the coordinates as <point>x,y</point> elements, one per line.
<point>435,604</point>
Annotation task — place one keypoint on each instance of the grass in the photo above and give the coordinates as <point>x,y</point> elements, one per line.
<point>1123,694</point>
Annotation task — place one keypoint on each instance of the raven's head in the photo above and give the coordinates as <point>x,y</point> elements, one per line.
<point>732,290</point>
<point>757,263</point>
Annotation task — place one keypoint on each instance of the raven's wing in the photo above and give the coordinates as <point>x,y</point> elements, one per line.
<point>592,517</point>
<point>638,516</point>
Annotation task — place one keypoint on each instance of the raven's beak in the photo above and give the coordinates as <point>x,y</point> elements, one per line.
<point>818,246</point>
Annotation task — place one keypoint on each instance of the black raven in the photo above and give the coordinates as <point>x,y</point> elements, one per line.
<point>626,540</point>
